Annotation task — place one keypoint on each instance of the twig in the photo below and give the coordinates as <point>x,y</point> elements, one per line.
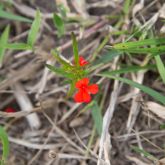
<point>25,104</point>
<point>106,123</point>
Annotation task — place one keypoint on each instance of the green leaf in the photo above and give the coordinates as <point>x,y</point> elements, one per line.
<point>18,46</point>
<point>130,69</point>
<point>145,153</point>
<point>11,16</point>
<point>97,117</point>
<point>5,144</point>
<point>62,9</point>
<point>157,96</point>
<point>56,55</point>
<point>59,24</point>
<point>135,44</point>
<point>60,71</point>
<point>126,8</point>
<point>71,89</point>
<point>75,49</point>
<point>154,50</point>
<point>161,67</point>
<point>3,41</point>
<point>32,36</point>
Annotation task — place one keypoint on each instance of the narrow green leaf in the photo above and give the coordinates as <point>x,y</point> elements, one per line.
<point>97,117</point>
<point>161,67</point>
<point>32,36</point>
<point>126,8</point>
<point>145,153</point>
<point>3,41</point>
<point>62,9</point>
<point>153,50</point>
<point>75,49</point>
<point>135,44</point>
<point>59,71</point>
<point>11,16</point>
<point>71,89</point>
<point>56,55</point>
<point>5,144</point>
<point>157,96</point>
<point>18,46</point>
<point>59,24</point>
<point>130,69</point>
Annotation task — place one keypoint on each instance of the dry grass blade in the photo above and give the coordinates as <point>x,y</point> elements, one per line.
<point>162,11</point>
<point>106,123</point>
<point>155,108</point>
<point>80,7</point>
<point>69,113</point>
<point>137,161</point>
<point>46,104</point>
<point>135,105</point>
<point>25,104</point>
<point>33,145</point>
<point>136,9</point>
<point>161,162</point>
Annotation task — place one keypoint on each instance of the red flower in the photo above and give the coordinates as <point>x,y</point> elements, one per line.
<point>82,61</point>
<point>84,90</point>
<point>10,110</point>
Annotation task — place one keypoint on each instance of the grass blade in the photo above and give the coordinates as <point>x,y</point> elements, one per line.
<point>130,69</point>
<point>97,117</point>
<point>157,96</point>
<point>71,89</point>
<point>161,67</point>
<point>5,144</point>
<point>59,24</point>
<point>59,71</point>
<point>18,46</point>
<point>3,42</point>
<point>11,16</point>
<point>145,153</point>
<point>75,49</point>
<point>135,44</point>
<point>126,7</point>
<point>56,55</point>
<point>153,50</point>
<point>32,36</point>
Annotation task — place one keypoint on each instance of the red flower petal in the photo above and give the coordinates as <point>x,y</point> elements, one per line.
<point>86,97</point>
<point>78,97</point>
<point>83,94</point>
<point>82,82</point>
<point>10,110</point>
<point>93,88</point>
<point>82,61</point>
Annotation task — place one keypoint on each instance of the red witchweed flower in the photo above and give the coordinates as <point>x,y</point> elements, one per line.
<point>10,110</point>
<point>82,61</point>
<point>84,90</point>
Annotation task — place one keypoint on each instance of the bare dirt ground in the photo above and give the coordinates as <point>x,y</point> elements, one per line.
<point>54,133</point>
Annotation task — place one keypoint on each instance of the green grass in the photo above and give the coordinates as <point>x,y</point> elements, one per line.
<point>7,15</point>
<point>3,41</point>
<point>5,145</point>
